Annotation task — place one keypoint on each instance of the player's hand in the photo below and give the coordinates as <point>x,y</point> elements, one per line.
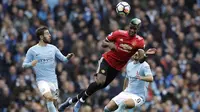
<point>138,76</point>
<point>70,55</point>
<point>34,62</point>
<point>112,46</point>
<point>151,51</point>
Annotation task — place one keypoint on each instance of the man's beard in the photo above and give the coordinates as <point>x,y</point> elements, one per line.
<point>132,34</point>
<point>46,41</point>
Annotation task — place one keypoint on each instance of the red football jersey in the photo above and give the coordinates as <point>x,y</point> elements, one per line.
<point>126,46</point>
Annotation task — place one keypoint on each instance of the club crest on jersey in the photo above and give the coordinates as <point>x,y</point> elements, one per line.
<point>133,43</point>
<point>103,71</point>
<point>36,54</point>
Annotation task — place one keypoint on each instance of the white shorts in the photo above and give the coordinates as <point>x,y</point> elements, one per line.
<point>45,87</point>
<point>121,97</point>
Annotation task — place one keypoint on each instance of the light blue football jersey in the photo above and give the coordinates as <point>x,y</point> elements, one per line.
<point>46,57</point>
<point>136,86</point>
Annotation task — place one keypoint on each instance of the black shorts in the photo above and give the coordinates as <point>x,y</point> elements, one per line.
<point>105,69</point>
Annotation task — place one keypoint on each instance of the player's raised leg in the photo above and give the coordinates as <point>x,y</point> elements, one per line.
<point>93,87</point>
<point>105,74</point>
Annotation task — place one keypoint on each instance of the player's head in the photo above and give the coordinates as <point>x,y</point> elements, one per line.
<point>43,34</point>
<point>134,26</point>
<point>140,55</point>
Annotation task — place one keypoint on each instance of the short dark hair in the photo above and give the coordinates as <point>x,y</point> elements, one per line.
<point>40,31</point>
<point>136,23</point>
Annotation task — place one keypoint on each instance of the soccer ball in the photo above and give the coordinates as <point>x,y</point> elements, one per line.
<point>123,8</point>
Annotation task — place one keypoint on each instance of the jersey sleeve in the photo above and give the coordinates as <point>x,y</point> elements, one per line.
<point>28,59</point>
<point>59,55</point>
<point>126,74</point>
<point>146,70</point>
<point>127,67</point>
<point>112,36</point>
<point>141,44</point>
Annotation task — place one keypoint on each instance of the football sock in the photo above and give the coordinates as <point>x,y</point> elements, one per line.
<point>93,87</point>
<point>51,107</point>
<point>106,109</point>
<point>81,100</point>
<point>121,107</point>
<point>75,99</point>
<point>70,101</point>
<point>85,96</point>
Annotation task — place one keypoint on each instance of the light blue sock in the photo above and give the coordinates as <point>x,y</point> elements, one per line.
<point>106,109</point>
<point>51,107</point>
<point>121,107</point>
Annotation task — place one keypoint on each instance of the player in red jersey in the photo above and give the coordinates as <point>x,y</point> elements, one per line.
<point>123,45</point>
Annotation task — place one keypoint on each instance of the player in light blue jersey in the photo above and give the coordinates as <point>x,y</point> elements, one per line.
<point>42,57</point>
<point>138,76</point>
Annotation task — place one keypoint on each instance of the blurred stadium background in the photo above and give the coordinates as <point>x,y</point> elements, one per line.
<point>171,26</point>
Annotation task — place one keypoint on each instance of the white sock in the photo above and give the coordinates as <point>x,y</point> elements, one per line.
<point>82,100</point>
<point>70,101</point>
<point>51,107</point>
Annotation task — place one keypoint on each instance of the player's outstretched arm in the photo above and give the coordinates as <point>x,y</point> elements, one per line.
<point>148,78</point>
<point>63,58</point>
<point>151,51</point>
<point>108,44</point>
<point>69,56</point>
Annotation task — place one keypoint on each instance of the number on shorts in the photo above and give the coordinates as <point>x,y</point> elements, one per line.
<point>138,100</point>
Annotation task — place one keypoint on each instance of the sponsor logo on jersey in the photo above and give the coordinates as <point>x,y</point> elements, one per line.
<point>125,47</point>
<point>46,60</point>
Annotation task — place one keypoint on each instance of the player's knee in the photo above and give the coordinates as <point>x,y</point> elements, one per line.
<point>100,81</point>
<point>48,96</point>
<point>129,103</point>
